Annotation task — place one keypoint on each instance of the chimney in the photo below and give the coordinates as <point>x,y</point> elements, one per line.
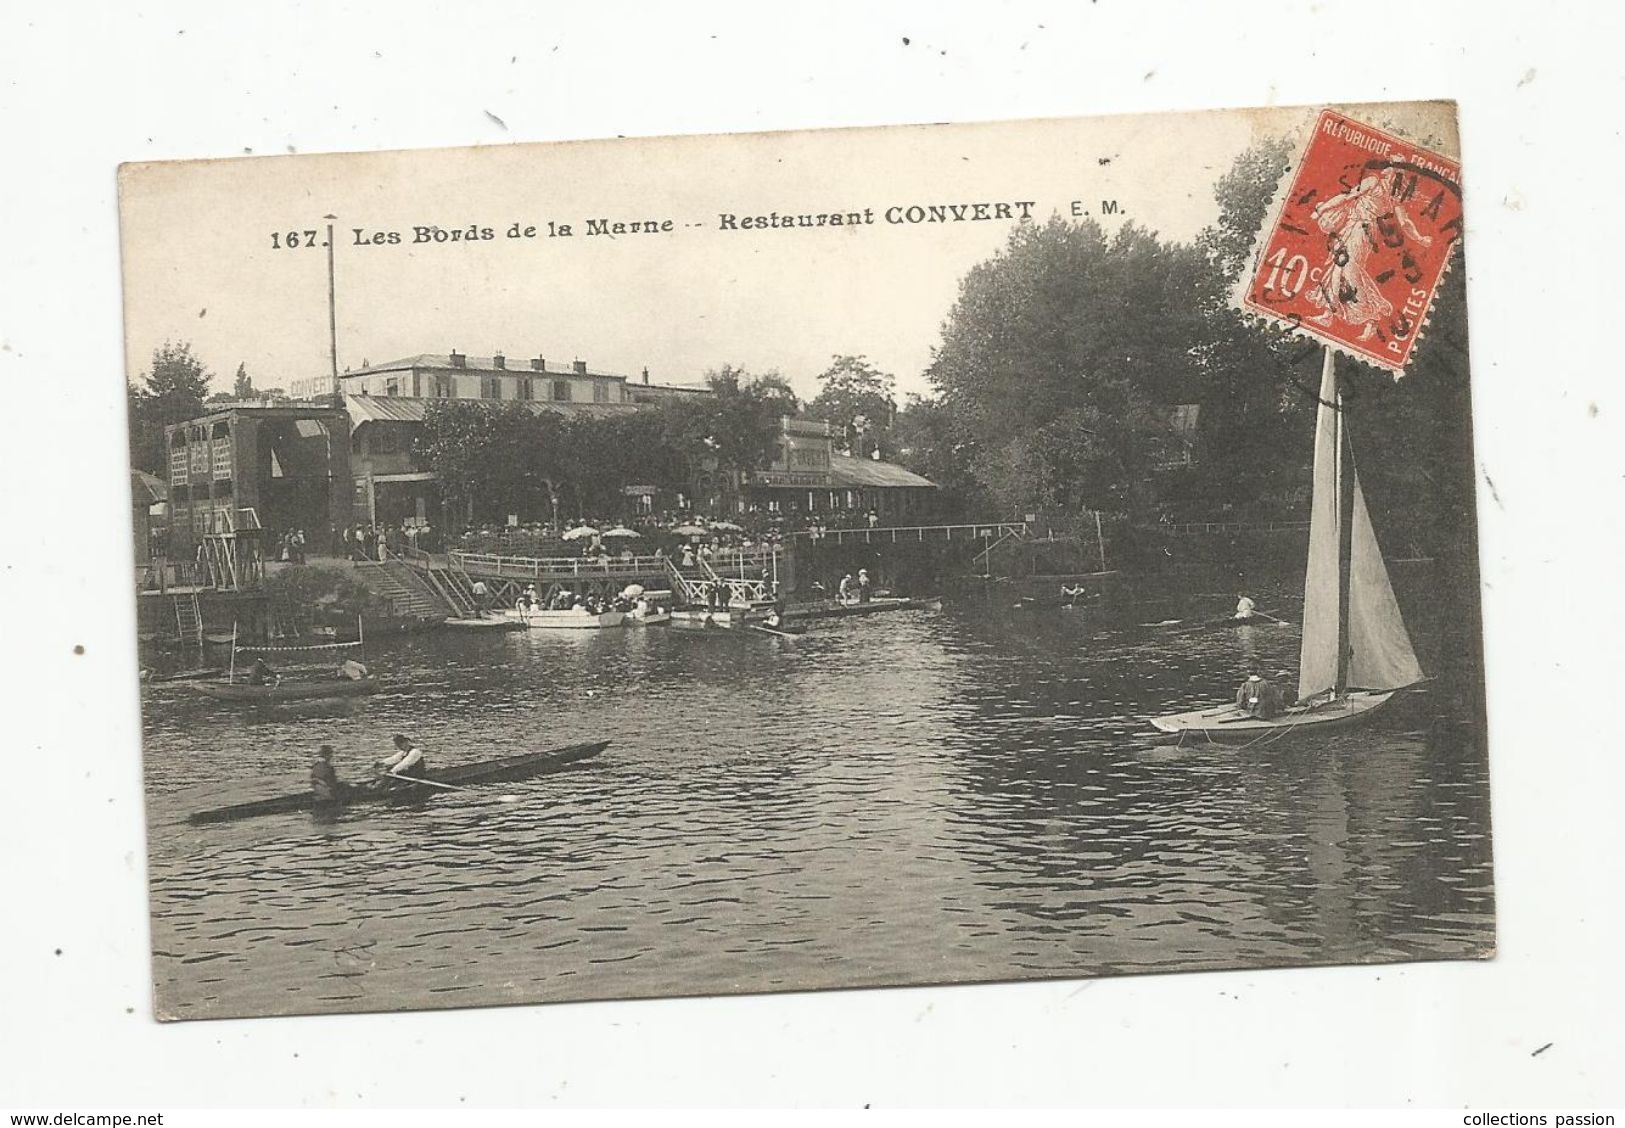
<point>458,360</point>
<point>499,361</point>
<point>579,368</point>
<point>539,364</point>
<point>645,373</point>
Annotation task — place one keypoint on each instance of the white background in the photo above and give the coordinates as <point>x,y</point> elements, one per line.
<point>83,87</point>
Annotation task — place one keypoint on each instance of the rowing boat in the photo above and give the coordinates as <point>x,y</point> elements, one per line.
<point>484,624</point>
<point>575,619</point>
<point>286,691</point>
<point>506,769</point>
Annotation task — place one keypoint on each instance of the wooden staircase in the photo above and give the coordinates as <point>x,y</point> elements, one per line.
<point>454,587</point>
<point>409,594</point>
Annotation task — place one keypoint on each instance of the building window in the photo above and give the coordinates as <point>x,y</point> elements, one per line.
<point>600,392</point>
<point>527,388</point>
<point>392,386</point>
<point>445,387</point>
<point>561,390</point>
<point>491,387</point>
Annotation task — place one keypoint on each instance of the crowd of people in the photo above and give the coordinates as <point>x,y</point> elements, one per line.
<point>379,542</point>
<point>631,600</point>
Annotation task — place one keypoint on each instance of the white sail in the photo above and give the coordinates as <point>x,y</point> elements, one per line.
<point>1380,655</point>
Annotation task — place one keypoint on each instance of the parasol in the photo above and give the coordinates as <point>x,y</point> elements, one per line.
<point>580,531</point>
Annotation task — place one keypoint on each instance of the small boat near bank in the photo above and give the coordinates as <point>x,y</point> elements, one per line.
<point>485,623</point>
<point>575,619</point>
<point>285,690</point>
<point>506,769</point>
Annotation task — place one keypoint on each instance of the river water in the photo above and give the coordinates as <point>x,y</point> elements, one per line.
<point>909,798</point>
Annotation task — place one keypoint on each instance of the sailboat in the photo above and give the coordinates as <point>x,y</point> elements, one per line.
<point>1356,652</point>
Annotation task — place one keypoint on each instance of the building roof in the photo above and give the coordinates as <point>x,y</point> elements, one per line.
<point>411,409</point>
<point>147,489</point>
<point>859,473</point>
<point>518,365</point>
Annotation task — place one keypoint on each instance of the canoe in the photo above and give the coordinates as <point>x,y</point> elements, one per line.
<point>507,769</point>
<point>286,690</point>
<point>1229,724</point>
<point>654,618</point>
<point>572,620</point>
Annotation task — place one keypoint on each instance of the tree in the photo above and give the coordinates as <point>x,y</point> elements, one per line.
<point>242,387</point>
<point>171,391</point>
<point>859,401</point>
<point>733,429</point>
<point>1061,359</point>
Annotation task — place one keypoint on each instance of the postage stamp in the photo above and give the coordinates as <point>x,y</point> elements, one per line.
<point>1357,242</point>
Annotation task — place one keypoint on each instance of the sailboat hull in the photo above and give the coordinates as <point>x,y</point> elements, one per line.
<point>1229,724</point>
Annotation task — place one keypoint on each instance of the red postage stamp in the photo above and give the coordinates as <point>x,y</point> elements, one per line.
<point>1357,242</point>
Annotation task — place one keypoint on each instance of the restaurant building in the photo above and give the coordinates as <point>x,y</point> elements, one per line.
<point>315,465</point>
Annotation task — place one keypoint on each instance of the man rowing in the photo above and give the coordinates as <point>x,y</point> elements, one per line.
<point>1245,608</point>
<point>262,674</point>
<point>406,763</point>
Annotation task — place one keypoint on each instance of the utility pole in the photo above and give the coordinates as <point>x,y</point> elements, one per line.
<point>332,311</point>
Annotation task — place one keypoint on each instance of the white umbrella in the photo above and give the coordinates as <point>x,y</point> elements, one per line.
<point>689,530</point>
<point>728,526</point>
<point>632,591</point>
<point>581,531</point>
<point>622,531</point>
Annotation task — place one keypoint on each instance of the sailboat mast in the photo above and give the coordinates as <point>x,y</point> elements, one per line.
<point>1345,531</point>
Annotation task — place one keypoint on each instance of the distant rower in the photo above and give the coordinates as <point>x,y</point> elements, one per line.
<point>1245,608</point>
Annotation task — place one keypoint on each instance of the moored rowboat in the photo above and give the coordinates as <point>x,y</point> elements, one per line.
<point>488,624</point>
<point>506,769</point>
<point>286,691</point>
<point>572,620</point>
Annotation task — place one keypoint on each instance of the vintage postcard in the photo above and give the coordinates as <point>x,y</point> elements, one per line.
<point>716,564</point>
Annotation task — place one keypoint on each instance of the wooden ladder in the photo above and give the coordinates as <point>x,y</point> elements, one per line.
<point>188,618</point>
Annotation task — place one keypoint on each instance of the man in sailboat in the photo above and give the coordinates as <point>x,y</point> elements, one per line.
<point>1259,698</point>
<point>262,674</point>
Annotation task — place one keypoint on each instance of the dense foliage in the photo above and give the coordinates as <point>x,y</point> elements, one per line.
<point>1066,353</point>
<point>171,391</point>
<point>493,460</point>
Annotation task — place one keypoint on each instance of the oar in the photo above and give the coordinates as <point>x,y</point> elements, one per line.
<point>1273,619</point>
<point>771,631</point>
<point>448,786</point>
